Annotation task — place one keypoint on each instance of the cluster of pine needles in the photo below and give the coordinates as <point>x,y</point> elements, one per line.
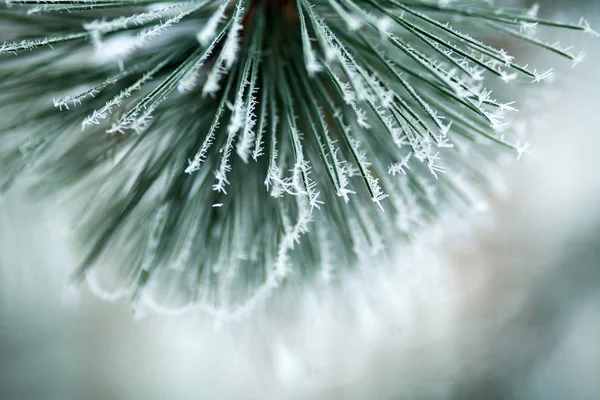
<point>227,148</point>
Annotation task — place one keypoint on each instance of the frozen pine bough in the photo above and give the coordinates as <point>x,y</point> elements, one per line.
<point>229,149</point>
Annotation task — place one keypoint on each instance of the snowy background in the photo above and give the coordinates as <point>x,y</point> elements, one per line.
<point>512,314</point>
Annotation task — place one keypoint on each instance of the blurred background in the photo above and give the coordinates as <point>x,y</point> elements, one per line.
<point>508,309</point>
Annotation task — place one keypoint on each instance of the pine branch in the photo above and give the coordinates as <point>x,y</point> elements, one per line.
<point>330,105</point>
